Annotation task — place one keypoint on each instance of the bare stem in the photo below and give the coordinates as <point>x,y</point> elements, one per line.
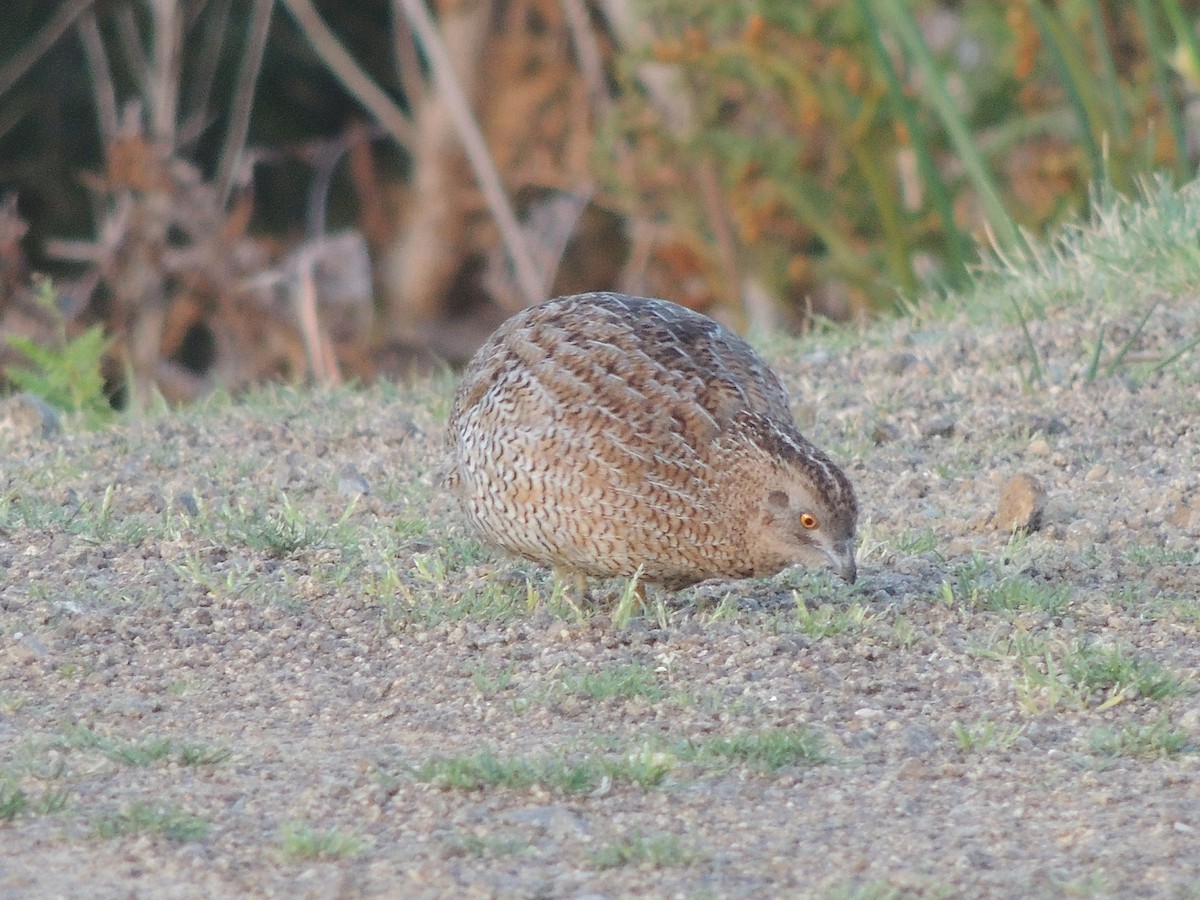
<point>243,99</point>
<point>102,83</point>
<point>200,84</point>
<point>42,41</point>
<point>583,39</point>
<point>353,78</point>
<point>528,277</point>
<point>163,96</point>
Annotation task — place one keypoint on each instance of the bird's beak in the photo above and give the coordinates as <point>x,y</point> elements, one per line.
<point>843,561</point>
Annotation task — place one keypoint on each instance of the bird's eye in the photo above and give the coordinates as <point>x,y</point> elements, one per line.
<point>808,520</point>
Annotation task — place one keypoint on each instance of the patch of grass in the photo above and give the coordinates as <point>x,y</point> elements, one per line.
<point>484,769</point>
<point>1157,739</point>
<point>1017,645</point>
<point>915,541</point>
<point>1130,247</point>
<point>490,682</point>
<point>1181,608</point>
<point>487,600</point>
<point>827,620</point>
<point>409,528</point>
<point>1088,674</point>
<point>300,841</point>
<point>200,754</point>
<point>119,750</point>
<point>871,890</point>
<point>16,801</point>
<point>659,852</point>
<point>985,735</point>
<point>152,818</point>
<point>621,682</point>
<point>770,748</point>
<point>281,530</point>
<point>1091,884</point>
<point>1114,670</point>
<point>903,633</point>
<point>561,774</point>
<point>632,600</point>
<point>138,753</point>
<point>1142,555</point>
<point>68,374</point>
<point>976,583</point>
<point>13,799</point>
<point>489,847</point>
<point>236,576</point>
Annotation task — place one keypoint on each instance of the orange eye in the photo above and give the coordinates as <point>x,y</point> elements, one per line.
<point>808,520</point>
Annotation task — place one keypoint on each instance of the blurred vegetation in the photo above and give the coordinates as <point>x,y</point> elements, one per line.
<point>767,158</point>
<point>67,373</point>
<point>867,147</point>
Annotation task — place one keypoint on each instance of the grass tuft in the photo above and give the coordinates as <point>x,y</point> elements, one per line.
<point>300,841</point>
<point>658,852</point>
<point>1088,674</point>
<point>153,818</point>
<point>1157,739</point>
<point>771,748</point>
<point>985,734</point>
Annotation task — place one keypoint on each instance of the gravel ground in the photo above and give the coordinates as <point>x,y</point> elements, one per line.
<point>237,642</point>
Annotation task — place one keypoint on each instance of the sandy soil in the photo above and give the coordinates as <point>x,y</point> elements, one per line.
<point>236,641</point>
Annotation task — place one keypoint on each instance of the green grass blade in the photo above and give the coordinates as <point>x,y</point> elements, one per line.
<point>1119,113</point>
<point>1094,365</point>
<point>1111,369</point>
<point>1187,347</point>
<point>1035,358</point>
<point>1162,74</point>
<point>957,246</point>
<point>1073,79</point>
<point>899,15</point>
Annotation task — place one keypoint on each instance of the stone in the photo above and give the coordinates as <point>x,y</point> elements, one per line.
<point>1022,503</point>
<point>27,415</point>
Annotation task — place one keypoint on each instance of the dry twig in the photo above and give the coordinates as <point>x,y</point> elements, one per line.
<point>528,276</point>
<point>355,80</point>
<point>243,100</point>
<point>42,41</point>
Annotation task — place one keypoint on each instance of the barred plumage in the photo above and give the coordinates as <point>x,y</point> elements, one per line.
<point>601,433</point>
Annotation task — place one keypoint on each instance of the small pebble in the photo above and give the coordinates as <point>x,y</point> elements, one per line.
<point>899,363</point>
<point>1022,502</point>
<point>27,415</point>
<point>351,482</point>
<point>938,426</point>
<point>884,433</point>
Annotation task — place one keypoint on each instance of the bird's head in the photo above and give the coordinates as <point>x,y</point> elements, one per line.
<point>808,510</point>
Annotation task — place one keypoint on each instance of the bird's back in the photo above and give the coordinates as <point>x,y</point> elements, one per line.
<point>584,430</point>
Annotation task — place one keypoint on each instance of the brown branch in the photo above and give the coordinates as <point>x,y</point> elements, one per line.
<point>583,39</point>
<point>408,61</point>
<point>529,279</point>
<point>132,52</point>
<point>201,82</point>
<point>243,100</point>
<point>163,94</point>
<point>42,41</point>
<point>351,75</point>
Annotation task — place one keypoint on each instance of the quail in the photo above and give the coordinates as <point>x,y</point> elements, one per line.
<point>604,434</point>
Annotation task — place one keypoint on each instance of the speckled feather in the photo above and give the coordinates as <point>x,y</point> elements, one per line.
<point>602,433</point>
